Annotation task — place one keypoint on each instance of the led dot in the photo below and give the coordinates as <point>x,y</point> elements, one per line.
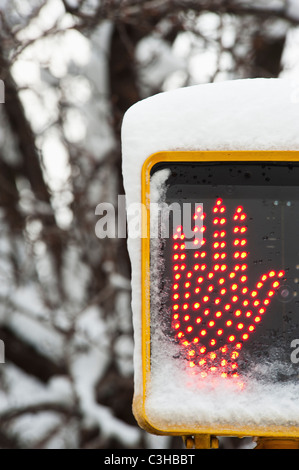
<point>196,305</point>
<point>222,233</point>
<point>216,256</point>
<point>176,246</point>
<point>210,275</point>
<point>183,256</point>
<point>175,286</point>
<point>189,329</point>
<point>211,288</point>
<point>196,340</point>
<point>227,306</point>
<point>236,254</point>
<point>200,280</point>
<point>231,338</point>
<point>220,332</point>
<point>262,310</point>
<point>189,274</point>
<point>232,275</point>
<point>187,317</point>
<point>175,296</point>
<point>218,314</point>
<point>238,313</point>
<point>203,332</point>
<point>187,284</point>
<point>206,311</point>
<point>180,334</point>
<point>229,323</point>
<point>271,273</point>
<point>240,326</point>
<point>175,307</point>
<point>219,202</point>
<point>185,306</point>
<point>198,320</point>
<point>236,242</point>
<point>206,298</point>
<point>254,293</point>
<point>176,316</point>
<point>248,314</point>
<point>217,301</point>
<point>223,291</point>
<point>234,286</point>
<point>177,277</point>
<point>245,303</point>
<point>221,281</point>
<point>196,267</point>
<point>245,336</point>
<point>259,285</point>
<point>239,209</point>
<point>191,364</point>
<point>275,284</point>
<point>243,254</point>
<point>223,267</point>
<point>203,350</point>
<point>176,326</point>
<point>197,290</point>
<point>222,221</point>
<point>243,278</point>
<point>235,298</point>
<point>257,319</point>
<point>280,274</point>
<point>243,267</point>
<point>244,290</point>
<point>212,342</point>
<point>251,328</point>
<point>211,323</point>
<point>234,355</point>
<point>266,301</point>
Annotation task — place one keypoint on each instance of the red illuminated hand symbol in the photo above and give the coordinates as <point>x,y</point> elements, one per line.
<point>216,308</point>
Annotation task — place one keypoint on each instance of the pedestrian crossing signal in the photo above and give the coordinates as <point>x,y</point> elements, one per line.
<point>221,286</point>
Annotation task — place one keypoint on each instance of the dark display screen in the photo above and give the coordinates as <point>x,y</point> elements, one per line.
<point>230,287</point>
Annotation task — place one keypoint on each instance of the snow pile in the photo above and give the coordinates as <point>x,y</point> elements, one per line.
<point>253,114</point>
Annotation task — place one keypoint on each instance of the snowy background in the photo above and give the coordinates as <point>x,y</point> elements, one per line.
<point>71,69</point>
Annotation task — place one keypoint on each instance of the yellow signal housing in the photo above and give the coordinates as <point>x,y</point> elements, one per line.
<point>162,425</point>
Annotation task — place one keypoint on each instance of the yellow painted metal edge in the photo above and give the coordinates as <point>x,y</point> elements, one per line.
<point>139,401</point>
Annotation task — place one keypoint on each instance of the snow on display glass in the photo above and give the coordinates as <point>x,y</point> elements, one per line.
<point>224,298</point>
